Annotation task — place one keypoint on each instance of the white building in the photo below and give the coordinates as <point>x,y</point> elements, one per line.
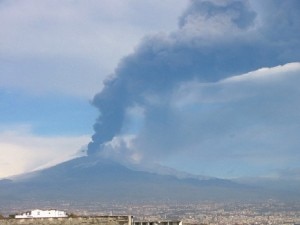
<point>37,213</point>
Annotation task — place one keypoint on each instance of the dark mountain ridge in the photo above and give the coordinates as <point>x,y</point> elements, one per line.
<point>97,179</point>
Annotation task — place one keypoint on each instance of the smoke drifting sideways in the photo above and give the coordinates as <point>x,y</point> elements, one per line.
<point>214,40</point>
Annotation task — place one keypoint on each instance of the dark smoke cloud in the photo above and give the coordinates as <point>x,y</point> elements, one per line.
<point>240,13</point>
<point>215,39</point>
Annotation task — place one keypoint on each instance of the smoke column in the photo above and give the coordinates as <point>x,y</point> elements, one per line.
<point>210,44</point>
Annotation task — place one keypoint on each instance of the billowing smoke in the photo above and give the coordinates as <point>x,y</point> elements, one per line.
<point>214,40</point>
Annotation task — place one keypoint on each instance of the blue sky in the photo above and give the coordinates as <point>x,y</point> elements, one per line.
<point>207,87</point>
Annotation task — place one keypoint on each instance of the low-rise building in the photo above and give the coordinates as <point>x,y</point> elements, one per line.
<point>37,213</point>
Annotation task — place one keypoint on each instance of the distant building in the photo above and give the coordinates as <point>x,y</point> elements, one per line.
<point>37,213</point>
<point>164,222</point>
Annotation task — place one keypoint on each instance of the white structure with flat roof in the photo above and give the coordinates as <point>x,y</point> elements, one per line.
<point>37,213</point>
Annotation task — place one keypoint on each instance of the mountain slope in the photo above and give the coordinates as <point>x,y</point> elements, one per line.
<point>96,179</point>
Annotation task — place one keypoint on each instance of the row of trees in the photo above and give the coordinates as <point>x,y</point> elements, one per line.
<point>9,217</point>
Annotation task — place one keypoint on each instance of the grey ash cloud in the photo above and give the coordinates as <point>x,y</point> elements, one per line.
<point>214,40</point>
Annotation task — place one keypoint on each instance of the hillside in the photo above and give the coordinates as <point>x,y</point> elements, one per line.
<point>96,179</point>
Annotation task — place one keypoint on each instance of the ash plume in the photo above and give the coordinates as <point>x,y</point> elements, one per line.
<point>214,40</point>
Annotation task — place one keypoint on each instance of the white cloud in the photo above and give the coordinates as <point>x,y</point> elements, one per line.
<point>251,84</point>
<point>251,121</point>
<point>71,46</point>
<point>267,74</point>
<point>22,151</point>
<point>122,150</point>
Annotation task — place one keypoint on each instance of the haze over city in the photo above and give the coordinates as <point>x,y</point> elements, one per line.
<point>205,87</point>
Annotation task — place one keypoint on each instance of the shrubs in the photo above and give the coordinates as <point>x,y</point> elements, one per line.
<point>72,215</point>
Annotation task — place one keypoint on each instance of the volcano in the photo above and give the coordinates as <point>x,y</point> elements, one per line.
<point>97,179</point>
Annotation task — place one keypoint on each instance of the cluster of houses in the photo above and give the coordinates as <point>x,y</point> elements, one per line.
<point>52,213</point>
